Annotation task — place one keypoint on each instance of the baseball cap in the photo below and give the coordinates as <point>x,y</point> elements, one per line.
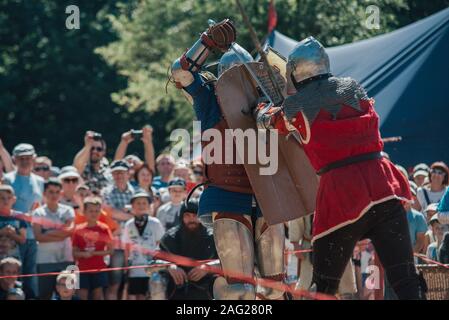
<point>420,172</point>
<point>93,200</point>
<point>181,164</point>
<point>141,194</point>
<point>68,172</point>
<point>45,160</point>
<point>434,218</point>
<point>421,167</point>
<point>83,187</point>
<point>119,165</point>
<point>177,182</point>
<point>432,207</point>
<point>23,149</point>
<point>7,188</point>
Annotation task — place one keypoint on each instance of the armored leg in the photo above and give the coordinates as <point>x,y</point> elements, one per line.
<point>270,241</point>
<point>234,243</point>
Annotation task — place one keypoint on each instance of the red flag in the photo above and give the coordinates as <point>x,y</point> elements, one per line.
<point>272,17</point>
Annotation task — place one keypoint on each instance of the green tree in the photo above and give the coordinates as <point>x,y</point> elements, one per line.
<point>151,34</point>
<point>111,74</point>
<point>53,87</point>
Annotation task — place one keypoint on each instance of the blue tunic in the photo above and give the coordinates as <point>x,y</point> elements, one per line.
<point>209,113</point>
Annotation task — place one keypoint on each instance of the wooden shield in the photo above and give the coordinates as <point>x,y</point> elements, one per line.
<point>290,193</point>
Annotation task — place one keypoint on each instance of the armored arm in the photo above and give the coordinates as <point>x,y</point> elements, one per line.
<point>269,117</point>
<point>218,36</point>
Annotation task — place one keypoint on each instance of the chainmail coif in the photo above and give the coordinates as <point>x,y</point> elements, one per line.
<point>329,94</point>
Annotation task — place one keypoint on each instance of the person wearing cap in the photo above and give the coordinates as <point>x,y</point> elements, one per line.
<point>92,241</point>
<point>6,164</point>
<point>192,240</point>
<point>438,178</point>
<point>436,233</point>
<point>429,213</point>
<point>430,210</point>
<point>117,198</point>
<point>70,179</point>
<point>168,213</point>
<point>42,167</point>
<point>92,164</point>
<point>53,225</point>
<point>420,172</point>
<point>11,267</point>
<point>141,236</point>
<point>63,290</point>
<point>184,171</point>
<point>27,185</point>
<point>12,229</point>
<point>28,188</point>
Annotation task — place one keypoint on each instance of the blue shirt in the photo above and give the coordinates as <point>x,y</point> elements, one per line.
<point>443,206</point>
<point>28,190</point>
<point>416,224</point>
<point>158,183</point>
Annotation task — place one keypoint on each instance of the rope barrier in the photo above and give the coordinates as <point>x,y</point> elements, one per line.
<point>187,262</point>
<point>421,256</point>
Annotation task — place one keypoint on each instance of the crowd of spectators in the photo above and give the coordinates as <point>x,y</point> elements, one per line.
<point>94,214</point>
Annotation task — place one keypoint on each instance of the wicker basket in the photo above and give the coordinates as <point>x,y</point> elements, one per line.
<point>437,279</point>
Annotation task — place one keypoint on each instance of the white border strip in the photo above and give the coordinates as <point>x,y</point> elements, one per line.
<point>362,213</point>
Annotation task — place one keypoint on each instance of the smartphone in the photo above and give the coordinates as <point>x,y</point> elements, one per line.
<point>136,134</point>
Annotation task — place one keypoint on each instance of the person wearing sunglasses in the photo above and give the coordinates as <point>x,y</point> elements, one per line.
<point>438,181</point>
<point>91,162</point>
<point>42,167</point>
<point>70,179</point>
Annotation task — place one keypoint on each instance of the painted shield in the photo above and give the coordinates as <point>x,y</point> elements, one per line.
<point>290,192</point>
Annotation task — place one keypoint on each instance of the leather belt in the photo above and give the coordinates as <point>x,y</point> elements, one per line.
<point>349,160</point>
